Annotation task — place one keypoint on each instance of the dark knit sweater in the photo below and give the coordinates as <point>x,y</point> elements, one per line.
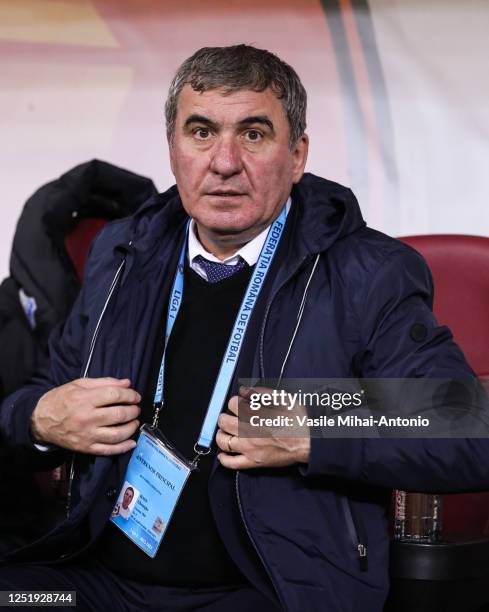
<point>191,553</point>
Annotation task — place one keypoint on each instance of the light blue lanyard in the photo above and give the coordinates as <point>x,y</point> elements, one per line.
<point>233,349</point>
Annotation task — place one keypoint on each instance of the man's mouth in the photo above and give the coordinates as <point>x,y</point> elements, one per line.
<point>227,193</point>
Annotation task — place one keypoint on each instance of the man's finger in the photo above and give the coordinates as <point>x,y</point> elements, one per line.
<point>246,392</point>
<point>115,415</point>
<point>93,383</point>
<point>244,396</point>
<point>228,423</point>
<point>233,404</point>
<point>113,395</point>
<point>116,434</point>
<point>236,462</point>
<point>229,443</point>
<point>111,449</point>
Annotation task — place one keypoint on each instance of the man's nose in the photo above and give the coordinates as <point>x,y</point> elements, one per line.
<point>226,157</point>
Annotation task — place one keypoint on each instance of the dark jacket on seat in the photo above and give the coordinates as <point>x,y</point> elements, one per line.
<point>41,266</point>
<point>42,270</point>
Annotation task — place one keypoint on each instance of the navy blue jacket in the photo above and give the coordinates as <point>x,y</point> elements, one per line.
<point>305,524</point>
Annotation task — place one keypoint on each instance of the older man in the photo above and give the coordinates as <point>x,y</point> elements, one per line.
<point>246,268</point>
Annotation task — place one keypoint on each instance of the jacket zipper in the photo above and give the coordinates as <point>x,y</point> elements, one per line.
<point>359,545</point>
<point>93,342</point>
<point>353,532</point>
<point>257,550</point>
<point>262,334</point>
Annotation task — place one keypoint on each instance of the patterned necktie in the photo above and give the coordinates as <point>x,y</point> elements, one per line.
<point>217,271</point>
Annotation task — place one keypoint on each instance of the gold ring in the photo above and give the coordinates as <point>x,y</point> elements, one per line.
<point>229,444</point>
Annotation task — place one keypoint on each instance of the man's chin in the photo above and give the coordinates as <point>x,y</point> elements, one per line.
<point>227,224</point>
<point>228,230</point>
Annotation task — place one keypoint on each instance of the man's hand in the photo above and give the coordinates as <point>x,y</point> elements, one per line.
<point>88,415</point>
<point>270,450</point>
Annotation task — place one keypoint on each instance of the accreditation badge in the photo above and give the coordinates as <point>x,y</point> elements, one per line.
<point>154,480</point>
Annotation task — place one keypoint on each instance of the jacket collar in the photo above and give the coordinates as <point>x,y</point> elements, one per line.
<point>327,212</point>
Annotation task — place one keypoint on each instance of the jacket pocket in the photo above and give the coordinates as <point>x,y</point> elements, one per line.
<point>356,532</point>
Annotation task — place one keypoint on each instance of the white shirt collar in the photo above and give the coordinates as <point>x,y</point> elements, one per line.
<point>249,252</point>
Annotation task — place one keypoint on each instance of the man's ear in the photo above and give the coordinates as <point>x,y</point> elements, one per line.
<point>170,150</point>
<point>299,155</point>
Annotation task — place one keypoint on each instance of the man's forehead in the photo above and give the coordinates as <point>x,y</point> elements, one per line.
<point>234,106</point>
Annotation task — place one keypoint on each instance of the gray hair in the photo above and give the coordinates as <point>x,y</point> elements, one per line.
<point>236,68</point>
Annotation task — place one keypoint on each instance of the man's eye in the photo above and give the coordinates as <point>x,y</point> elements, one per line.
<point>202,133</point>
<point>253,135</point>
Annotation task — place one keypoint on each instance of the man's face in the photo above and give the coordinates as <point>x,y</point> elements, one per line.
<point>127,499</point>
<point>232,162</point>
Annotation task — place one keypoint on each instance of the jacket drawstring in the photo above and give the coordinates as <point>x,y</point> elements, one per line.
<point>299,318</point>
